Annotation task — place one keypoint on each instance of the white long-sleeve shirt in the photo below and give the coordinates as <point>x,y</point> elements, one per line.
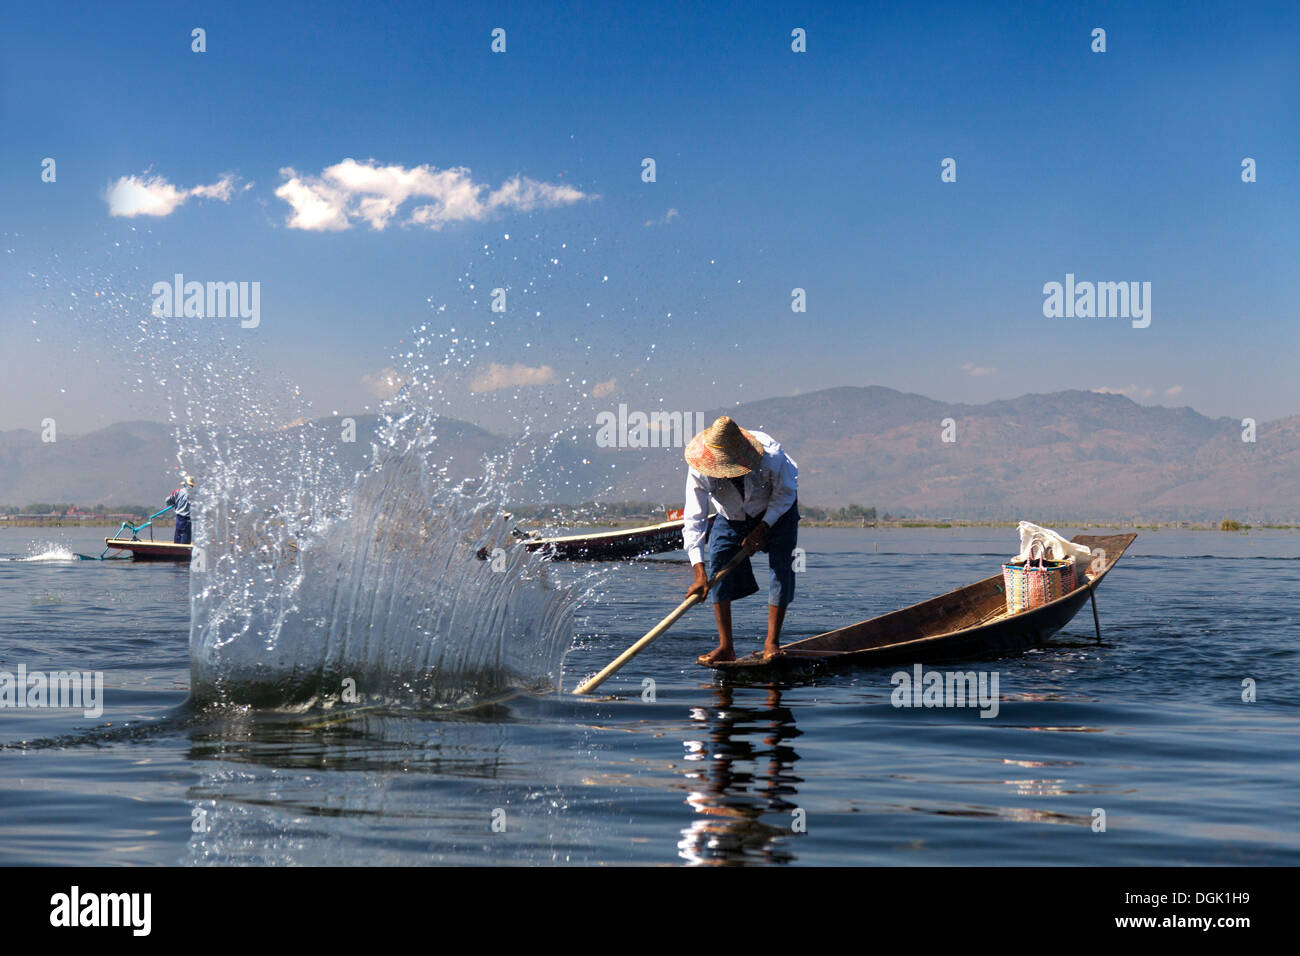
<point>770,490</point>
<point>181,499</point>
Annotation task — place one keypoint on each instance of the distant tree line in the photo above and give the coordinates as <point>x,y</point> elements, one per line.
<point>600,510</point>
<point>44,508</point>
<point>592,510</point>
<point>849,513</point>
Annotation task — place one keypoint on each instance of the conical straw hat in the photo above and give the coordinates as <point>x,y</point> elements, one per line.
<point>724,450</point>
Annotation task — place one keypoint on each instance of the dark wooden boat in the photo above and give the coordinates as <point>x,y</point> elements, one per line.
<point>969,622</point>
<point>611,545</point>
<point>151,550</point>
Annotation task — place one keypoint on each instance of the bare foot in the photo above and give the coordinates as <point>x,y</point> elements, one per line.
<point>717,655</point>
<point>772,650</point>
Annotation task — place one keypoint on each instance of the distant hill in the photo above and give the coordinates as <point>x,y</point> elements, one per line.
<point>136,461</point>
<point>1073,454</point>
<point>126,462</point>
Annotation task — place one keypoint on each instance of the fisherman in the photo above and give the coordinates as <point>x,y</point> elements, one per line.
<point>753,485</point>
<point>180,500</point>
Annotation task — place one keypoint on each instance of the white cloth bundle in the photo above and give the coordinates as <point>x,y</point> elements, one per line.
<point>1053,546</point>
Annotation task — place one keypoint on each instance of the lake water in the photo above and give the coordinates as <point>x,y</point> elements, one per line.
<point>1149,726</point>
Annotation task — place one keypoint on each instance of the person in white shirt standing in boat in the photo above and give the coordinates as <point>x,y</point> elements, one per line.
<point>180,501</point>
<point>753,484</point>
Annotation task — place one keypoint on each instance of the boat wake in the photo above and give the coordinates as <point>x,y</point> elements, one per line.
<point>51,553</point>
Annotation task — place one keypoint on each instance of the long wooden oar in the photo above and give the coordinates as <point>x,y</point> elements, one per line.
<point>588,686</point>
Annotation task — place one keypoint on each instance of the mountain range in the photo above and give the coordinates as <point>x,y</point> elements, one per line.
<point>1077,455</point>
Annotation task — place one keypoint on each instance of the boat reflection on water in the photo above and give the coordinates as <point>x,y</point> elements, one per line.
<point>742,786</point>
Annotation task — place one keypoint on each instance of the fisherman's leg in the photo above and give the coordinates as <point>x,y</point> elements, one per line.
<point>781,541</point>
<point>724,544</point>
<point>775,618</point>
<point>725,651</point>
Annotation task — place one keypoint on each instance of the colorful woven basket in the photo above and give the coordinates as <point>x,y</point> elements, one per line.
<point>1031,583</point>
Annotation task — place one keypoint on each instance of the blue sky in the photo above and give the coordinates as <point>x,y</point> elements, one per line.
<point>818,170</point>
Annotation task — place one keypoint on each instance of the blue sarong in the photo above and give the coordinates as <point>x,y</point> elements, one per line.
<point>725,540</point>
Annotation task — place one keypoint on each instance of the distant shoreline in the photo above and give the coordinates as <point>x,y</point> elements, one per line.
<point>804,522</point>
<point>75,523</point>
<point>901,524</point>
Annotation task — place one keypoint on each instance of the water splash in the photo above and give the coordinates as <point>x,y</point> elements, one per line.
<point>323,576</point>
<point>321,584</point>
<point>385,601</point>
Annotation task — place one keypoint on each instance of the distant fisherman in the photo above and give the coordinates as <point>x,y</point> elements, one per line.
<point>180,500</point>
<point>753,484</point>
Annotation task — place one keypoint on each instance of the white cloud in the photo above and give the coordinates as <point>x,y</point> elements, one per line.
<point>222,189</point>
<point>1128,391</point>
<point>601,389</point>
<point>520,192</point>
<point>352,191</point>
<point>1173,391</point>
<point>970,368</point>
<point>383,384</point>
<point>668,217</point>
<point>147,195</point>
<point>508,376</point>
<point>313,209</point>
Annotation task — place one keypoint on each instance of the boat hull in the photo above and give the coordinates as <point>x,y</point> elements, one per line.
<point>152,550</point>
<point>966,623</point>
<point>612,545</point>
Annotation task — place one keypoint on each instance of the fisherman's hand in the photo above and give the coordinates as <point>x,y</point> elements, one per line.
<point>700,587</point>
<point>756,540</point>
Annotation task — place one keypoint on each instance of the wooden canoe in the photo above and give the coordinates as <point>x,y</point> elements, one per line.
<point>611,545</point>
<point>969,622</point>
<point>151,550</point>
